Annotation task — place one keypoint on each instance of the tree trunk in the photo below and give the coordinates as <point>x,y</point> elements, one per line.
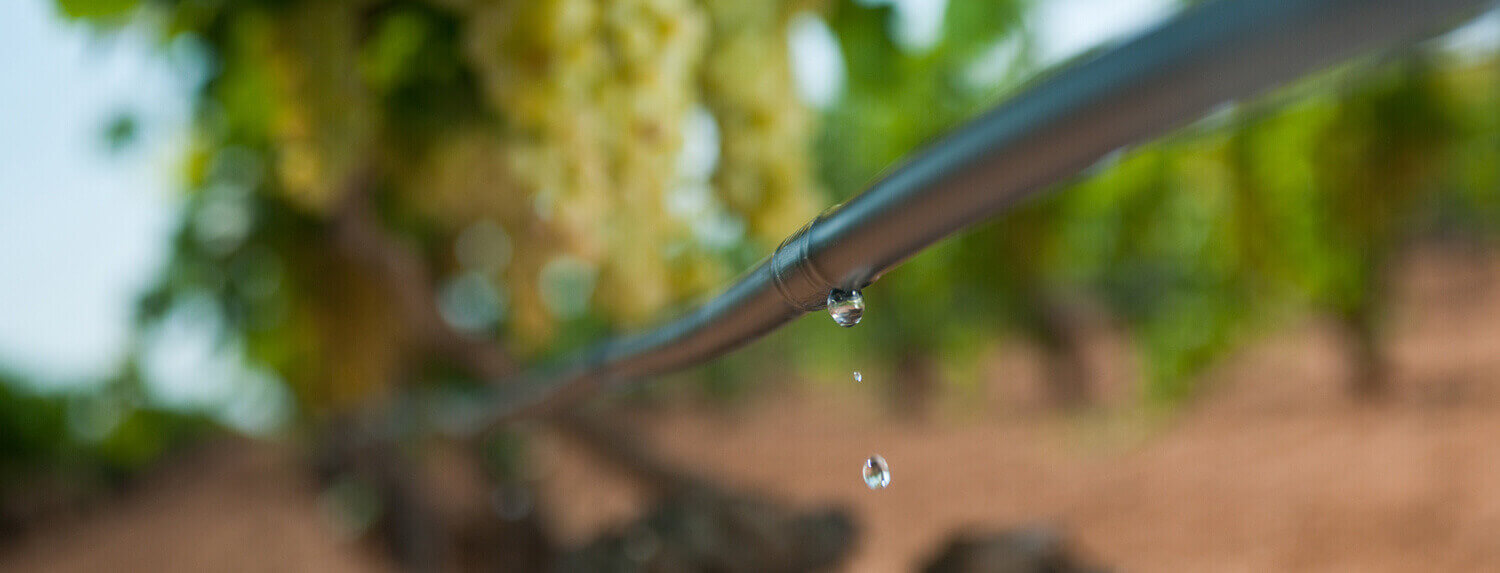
<point>1369,367</point>
<point>1369,371</point>
<point>915,384</point>
<point>1056,331</point>
<point>406,525</point>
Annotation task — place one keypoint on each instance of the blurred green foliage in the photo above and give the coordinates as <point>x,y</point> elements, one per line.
<point>1192,244</point>
<point>98,9</point>
<point>88,437</point>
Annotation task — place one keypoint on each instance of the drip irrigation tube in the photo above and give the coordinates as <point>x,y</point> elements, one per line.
<point>1142,88</point>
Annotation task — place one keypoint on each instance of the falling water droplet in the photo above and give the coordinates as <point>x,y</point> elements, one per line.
<point>858,377</point>
<point>877,473</point>
<point>846,307</point>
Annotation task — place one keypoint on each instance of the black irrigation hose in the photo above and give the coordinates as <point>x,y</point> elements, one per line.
<point>1143,88</point>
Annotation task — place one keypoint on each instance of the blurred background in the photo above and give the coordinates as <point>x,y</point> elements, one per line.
<point>243,243</point>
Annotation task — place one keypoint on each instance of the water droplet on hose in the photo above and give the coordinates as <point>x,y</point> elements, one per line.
<point>858,377</point>
<point>846,307</point>
<point>877,473</point>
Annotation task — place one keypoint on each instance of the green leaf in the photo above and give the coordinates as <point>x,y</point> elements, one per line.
<point>96,9</point>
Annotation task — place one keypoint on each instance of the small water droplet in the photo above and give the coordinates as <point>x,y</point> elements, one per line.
<point>877,473</point>
<point>846,307</point>
<point>858,377</point>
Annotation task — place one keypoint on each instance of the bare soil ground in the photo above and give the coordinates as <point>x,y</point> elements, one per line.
<point>1272,469</point>
<point>234,507</point>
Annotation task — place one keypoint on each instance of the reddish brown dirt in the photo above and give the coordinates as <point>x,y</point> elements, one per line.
<point>237,507</point>
<point>1273,469</point>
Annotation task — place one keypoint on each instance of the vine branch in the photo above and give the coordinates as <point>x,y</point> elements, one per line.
<point>358,233</point>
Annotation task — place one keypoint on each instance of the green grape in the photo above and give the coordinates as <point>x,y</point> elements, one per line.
<point>593,94</point>
<point>323,129</point>
<point>764,171</point>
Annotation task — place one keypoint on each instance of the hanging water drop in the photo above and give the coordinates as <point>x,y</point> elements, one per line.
<point>846,307</point>
<point>877,473</point>
<point>858,377</point>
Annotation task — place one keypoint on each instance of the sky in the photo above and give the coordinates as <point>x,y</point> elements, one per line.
<point>82,230</point>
